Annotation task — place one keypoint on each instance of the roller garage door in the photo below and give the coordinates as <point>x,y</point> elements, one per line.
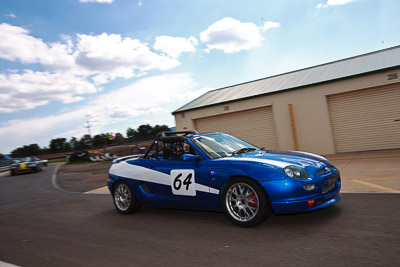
<point>366,119</point>
<point>255,126</point>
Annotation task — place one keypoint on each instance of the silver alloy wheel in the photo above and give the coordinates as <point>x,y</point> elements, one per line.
<point>122,197</point>
<point>242,202</point>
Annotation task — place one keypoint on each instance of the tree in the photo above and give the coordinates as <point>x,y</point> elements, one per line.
<point>144,132</point>
<point>99,140</point>
<point>84,143</point>
<point>119,139</point>
<point>25,151</point>
<point>73,143</point>
<point>131,134</point>
<point>160,128</point>
<point>59,145</point>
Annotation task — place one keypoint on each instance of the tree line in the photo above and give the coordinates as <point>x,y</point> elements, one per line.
<point>57,145</point>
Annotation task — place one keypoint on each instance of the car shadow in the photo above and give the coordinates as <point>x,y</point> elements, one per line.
<point>178,218</point>
<point>314,218</point>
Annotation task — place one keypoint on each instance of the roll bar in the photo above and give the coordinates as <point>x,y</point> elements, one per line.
<point>169,137</point>
<point>161,135</point>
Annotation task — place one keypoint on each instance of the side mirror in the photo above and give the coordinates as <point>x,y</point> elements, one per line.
<point>189,157</point>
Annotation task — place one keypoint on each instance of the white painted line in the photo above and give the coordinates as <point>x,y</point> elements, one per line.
<point>54,180</point>
<point>54,177</point>
<point>5,264</point>
<point>99,191</point>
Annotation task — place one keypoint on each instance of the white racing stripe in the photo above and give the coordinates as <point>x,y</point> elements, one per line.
<point>310,154</point>
<point>140,173</point>
<point>277,163</point>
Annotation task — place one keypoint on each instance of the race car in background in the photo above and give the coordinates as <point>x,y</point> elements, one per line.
<point>218,172</point>
<point>27,165</point>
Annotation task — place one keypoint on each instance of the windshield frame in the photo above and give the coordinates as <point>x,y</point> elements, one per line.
<point>225,149</point>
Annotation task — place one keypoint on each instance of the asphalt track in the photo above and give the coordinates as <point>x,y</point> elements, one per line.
<point>44,226</point>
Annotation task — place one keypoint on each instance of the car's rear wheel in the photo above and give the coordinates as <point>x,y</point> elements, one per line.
<point>124,199</point>
<point>245,202</point>
<point>13,172</point>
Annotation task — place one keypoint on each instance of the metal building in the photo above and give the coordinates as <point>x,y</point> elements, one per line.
<point>347,105</point>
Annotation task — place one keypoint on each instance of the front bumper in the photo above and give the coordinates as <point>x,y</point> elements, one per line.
<point>289,196</point>
<point>306,205</point>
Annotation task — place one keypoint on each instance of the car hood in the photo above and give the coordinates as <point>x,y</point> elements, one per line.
<point>280,158</point>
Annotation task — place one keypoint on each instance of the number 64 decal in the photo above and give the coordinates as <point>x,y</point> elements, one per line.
<point>183,183</point>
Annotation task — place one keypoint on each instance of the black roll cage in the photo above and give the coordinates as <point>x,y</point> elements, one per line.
<point>168,137</point>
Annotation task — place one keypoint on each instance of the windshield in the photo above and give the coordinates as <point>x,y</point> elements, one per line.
<point>26,159</point>
<point>222,145</point>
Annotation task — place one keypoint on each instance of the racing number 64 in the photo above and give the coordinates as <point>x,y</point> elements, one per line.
<point>186,182</point>
<point>182,182</point>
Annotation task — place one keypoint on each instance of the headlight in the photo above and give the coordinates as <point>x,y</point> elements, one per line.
<point>296,172</point>
<point>328,169</point>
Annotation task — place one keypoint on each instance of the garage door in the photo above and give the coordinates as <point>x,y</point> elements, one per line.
<point>255,126</point>
<point>366,119</point>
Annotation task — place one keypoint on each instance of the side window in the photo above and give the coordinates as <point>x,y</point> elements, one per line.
<point>189,149</point>
<point>172,151</point>
<point>175,150</point>
<point>156,153</point>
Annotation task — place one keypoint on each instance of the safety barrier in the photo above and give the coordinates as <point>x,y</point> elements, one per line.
<point>5,168</point>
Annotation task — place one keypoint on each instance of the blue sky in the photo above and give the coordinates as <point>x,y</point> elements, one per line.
<point>123,63</point>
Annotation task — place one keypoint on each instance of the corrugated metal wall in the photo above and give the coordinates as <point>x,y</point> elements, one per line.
<point>366,119</point>
<point>255,126</point>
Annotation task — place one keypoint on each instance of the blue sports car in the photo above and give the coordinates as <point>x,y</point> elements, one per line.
<point>218,172</point>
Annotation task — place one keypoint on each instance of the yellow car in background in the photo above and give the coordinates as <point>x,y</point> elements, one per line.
<point>26,165</point>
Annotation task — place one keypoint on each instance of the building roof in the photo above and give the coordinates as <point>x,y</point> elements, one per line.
<point>354,66</point>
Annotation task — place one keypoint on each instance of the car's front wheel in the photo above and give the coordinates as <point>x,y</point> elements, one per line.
<point>124,199</point>
<point>245,202</point>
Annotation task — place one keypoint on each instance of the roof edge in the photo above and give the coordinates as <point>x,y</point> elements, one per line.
<point>290,72</point>
<point>285,90</point>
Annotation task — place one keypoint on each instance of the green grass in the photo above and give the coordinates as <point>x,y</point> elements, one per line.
<point>79,162</point>
<point>57,160</point>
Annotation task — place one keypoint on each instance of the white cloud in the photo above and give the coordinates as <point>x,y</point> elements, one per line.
<point>71,65</point>
<point>175,46</point>
<point>27,90</point>
<point>270,24</point>
<point>117,56</point>
<point>334,3</point>
<point>151,92</point>
<point>150,95</point>
<point>231,35</point>
<point>17,45</point>
<point>96,1</point>
<point>11,15</point>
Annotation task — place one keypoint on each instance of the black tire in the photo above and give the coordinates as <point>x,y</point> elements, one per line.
<point>13,173</point>
<point>245,202</point>
<point>124,199</point>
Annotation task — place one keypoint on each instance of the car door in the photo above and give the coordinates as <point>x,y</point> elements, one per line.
<point>180,183</point>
